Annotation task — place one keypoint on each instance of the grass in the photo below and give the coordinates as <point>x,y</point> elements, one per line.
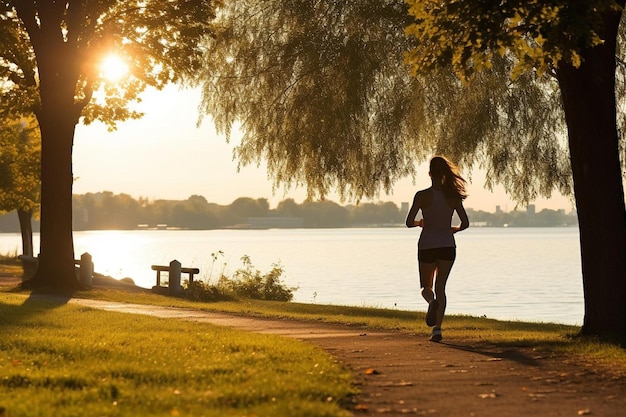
<point>72,361</point>
<point>9,263</point>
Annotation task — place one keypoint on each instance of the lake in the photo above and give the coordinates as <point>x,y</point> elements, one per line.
<point>530,274</point>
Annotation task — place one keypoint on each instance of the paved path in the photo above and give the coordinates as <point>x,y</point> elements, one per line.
<point>401,374</point>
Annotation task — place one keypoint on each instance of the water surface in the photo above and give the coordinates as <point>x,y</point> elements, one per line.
<point>506,273</point>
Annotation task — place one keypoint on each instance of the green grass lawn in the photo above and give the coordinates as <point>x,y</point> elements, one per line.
<point>72,361</point>
<point>63,360</point>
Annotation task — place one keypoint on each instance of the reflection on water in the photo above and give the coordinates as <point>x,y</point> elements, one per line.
<point>527,274</point>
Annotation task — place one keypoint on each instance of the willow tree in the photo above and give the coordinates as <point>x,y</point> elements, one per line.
<point>50,56</point>
<point>577,43</point>
<point>322,95</point>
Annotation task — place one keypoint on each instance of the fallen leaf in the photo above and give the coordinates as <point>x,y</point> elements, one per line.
<point>371,371</point>
<point>584,412</point>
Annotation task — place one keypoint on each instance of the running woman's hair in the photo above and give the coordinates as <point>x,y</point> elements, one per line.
<point>445,171</point>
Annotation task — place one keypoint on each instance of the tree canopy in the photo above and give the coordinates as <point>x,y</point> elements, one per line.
<point>540,34</point>
<point>577,43</point>
<point>50,63</point>
<point>321,92</point>
<point>159,42</point>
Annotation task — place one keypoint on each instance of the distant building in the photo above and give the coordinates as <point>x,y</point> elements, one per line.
<point>530,209</point>
<point>404,207</point>
<point>498,210</point>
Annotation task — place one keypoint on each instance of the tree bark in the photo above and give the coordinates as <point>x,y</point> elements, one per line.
<point>26,229</point>
<point>58,68</point>
<point>588,95</point>
<point>56,253</point>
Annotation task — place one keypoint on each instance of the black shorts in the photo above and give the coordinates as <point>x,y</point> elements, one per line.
<point>430,256</point>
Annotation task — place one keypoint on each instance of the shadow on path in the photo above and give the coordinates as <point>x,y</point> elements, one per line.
<point>494,352</point>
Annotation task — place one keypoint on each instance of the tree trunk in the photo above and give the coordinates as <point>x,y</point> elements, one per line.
<point>56,253</point>
<point>588,95</point>
<point>26,228</point>
<point>57,62</point>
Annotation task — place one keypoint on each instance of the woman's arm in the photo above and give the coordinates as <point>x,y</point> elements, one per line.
<point>460,210</point>
<point>415,207</point>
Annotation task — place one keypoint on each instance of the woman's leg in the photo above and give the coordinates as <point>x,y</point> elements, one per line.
<point>428,271</point>
<point>427,277</point>
<point>443,271</point>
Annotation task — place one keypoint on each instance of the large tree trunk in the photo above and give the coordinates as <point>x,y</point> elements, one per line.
<point>588,94</point>
<point>57,62</point>
<point>56,253</point>
<point>26,228</point>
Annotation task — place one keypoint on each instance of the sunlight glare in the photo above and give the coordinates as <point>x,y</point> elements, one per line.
<point>113,68</point>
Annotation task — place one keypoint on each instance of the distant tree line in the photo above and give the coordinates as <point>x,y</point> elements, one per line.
<point>106,211</point>
<point>543,218</point>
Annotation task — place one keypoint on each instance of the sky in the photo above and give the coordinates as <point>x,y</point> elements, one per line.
<point>166,155</point>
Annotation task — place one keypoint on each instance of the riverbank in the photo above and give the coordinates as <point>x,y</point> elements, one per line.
<point>398,372</point>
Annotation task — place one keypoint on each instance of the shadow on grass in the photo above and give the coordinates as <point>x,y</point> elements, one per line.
<point>36,303</point>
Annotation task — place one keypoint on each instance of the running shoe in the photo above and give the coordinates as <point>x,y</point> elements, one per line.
<point>436,335</point>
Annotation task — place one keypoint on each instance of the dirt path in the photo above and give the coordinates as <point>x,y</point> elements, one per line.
<point>400,374</point>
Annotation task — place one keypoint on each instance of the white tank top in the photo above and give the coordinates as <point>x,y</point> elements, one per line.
<point>437,231</point>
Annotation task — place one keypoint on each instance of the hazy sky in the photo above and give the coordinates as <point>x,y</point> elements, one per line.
<point>165,155</point>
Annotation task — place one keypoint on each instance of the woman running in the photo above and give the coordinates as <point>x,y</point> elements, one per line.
<point>436,248</point>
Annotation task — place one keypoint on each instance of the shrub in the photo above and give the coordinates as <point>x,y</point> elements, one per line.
<point>202,291</point>
<point>248,282</point>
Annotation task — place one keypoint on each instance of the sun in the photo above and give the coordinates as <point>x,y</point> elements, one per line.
<point>113,68</point>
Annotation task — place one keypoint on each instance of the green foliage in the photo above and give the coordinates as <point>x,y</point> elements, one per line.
<point>53,71</point>
<point>204,291</point>
<point>159,41</point>
<point>73,361</point>
<point>539,34</point>
<point>520,39</point>
<point>322,93</point>
<point>313,85</point>
<point>245,283</point>
<point>248,282</point>
<point>20,161</point>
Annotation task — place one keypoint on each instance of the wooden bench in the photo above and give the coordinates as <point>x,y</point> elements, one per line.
<point>166,268</point>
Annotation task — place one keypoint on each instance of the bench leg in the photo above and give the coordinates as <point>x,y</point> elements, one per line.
<point>158,284</point>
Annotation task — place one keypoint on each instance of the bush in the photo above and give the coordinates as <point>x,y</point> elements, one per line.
<point>248,282</point>
<point>201,291</point>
